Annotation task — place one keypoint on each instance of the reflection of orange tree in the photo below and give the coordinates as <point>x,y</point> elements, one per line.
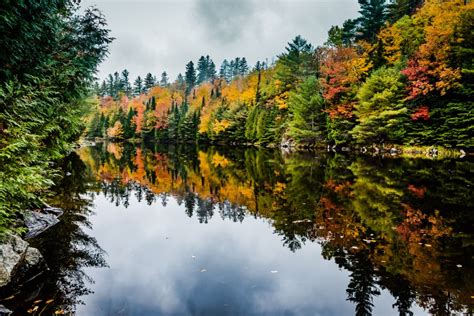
<point>401,239</point>
<point>353,208</point>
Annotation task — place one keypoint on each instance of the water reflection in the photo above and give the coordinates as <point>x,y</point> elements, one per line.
<point>400,225</point>
<point>399,230</point>
<point>67,248</point>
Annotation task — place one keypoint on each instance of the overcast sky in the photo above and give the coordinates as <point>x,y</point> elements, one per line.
<point>157,35</point>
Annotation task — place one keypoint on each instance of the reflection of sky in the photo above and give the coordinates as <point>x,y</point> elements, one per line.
<point>153,272</point>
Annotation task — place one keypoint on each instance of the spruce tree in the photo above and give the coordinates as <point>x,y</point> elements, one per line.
<point>211,71</point>
<point>164,81</point>
<point>307,123</point>
<point>138,86</point>
<point>224,71</point>
<point>373,16</point>
<point>202,70</point>
<point>149,82</point>
<point>243,67</point>
<point>190,77</point>
<point>126,86</point>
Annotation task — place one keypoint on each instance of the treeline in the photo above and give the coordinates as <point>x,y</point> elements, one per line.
<point>49,56</point>
<point>399,73</point>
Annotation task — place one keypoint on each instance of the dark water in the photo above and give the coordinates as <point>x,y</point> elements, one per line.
<point>188,231</point>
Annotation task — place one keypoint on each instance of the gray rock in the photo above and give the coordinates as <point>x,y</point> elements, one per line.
<point>12,253</point>
<point>4,311</point>
<point>37,222</point>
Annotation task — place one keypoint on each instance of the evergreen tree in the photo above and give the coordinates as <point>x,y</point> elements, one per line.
<point>307,123</point>
<point>164,82</point>
<point>110,85</point>
<point>129,125</point>
<point>296,64</point>
<point>126,86</point>
<point>149,82</point>
<point>380,110</point>
<point>211,71</point>
<point>117,84</point>
<point>103,89</point>
<point>138,86</point>
<point>180,82</point>
<point>335,36</point>
<point>243,67</point>
<point>398,8</point>
<point>202,67</point>
<point>190,77</point>
<point>225,70</point>
<point>373,16</point>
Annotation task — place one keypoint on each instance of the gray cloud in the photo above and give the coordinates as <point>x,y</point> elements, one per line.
<point>157,35</point>
<point>224,21</point>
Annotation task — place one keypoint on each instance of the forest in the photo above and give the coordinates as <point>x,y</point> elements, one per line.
<point>401,73</point>
<point>50,53</point>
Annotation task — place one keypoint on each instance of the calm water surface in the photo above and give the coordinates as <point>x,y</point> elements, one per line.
<point>155,230</point>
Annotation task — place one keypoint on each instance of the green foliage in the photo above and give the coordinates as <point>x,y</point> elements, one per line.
<point>380,110</point>
<point>47,65</point>
<point>307,121</point>
<point>295,64</point>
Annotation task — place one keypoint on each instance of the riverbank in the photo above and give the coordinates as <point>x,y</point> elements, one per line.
<point>385,151</point>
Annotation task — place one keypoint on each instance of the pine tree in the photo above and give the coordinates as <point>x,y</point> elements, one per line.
<point>138,86</point>
<point>296,64</point>
<point>243,67</point>
<point>190,77</point>
<point>103,89</point>
<point>149,82</point>
<point>373,16</point>
<point>380,110</point>
<point>164,82</point>
<point>110,85</point>
<point>398,8</point>
<point>180,82</point>
<point>117,84</point>
<point>307,123</point>
<point>202,70</point>
<point>225,70</point>
<point>211,71</point>
<point>126,86</point>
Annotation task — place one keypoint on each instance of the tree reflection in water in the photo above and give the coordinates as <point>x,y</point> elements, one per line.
<point>66,247</point>
<point>396,224</point>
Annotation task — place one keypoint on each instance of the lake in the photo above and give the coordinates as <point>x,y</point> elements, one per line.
<point>182,230</point>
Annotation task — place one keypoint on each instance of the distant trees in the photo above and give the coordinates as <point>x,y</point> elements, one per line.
<point>149,82</point>
<point>138,87</point>
<point>236,67</point>
<point>376,80</point>
<point>206,69</point>
<point>190,77</point>
<point>164,81</point>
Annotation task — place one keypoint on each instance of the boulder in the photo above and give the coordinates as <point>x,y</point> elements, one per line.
<point>37,222</point>
<point>4,311</point>
<point>12,254</point>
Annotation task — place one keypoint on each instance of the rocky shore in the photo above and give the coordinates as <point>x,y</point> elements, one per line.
<point>19,262</point>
